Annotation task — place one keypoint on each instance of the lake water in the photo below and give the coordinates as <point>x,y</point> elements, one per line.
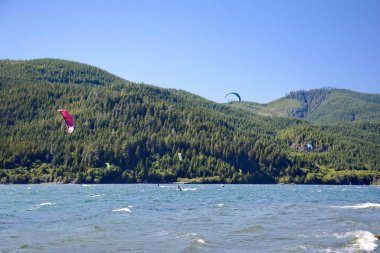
<point>200,218</point>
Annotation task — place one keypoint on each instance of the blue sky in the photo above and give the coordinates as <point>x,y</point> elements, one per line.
<point>260,49</point>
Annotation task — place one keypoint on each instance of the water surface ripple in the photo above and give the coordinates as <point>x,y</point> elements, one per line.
<point>200,218</point>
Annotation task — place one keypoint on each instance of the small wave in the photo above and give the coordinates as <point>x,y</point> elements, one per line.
<point>123,210</point>
<point>24,246</point>
<point>193,242</point>
<point>189,189</point>
<point>363,241</point>
<point>360,206</point>
<point>290,206</point>
<point>96,195</point>
<point>35,207</point>
<point>47,204</point>
<point>220,205</point>
<point>200,241</point>
<point>163,233</point>
<point>255,228</point>
<point>196,238</point>
<point>301,248</point>
<point>366,240</point>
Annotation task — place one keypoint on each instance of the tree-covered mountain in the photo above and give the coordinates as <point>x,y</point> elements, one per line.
<point>323,106</point>
<point>128,132</point>
<point>347,106</point>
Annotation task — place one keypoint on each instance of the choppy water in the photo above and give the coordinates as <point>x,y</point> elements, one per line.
<point>200,218</point>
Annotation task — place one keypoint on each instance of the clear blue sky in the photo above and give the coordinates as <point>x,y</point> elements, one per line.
<point>260,49</point>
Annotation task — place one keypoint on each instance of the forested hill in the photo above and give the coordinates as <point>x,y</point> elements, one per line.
<point>127,132</point>
<point>336,105</point>
<point>56,71</point>
<point>323,106</point>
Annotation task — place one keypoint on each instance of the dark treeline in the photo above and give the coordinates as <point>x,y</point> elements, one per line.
<point>139,130</point>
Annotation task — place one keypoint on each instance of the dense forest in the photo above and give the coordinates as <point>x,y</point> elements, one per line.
<point>310,100</point>
<point>329,105</point>
<point>133,133</point>
<point>325,106</point>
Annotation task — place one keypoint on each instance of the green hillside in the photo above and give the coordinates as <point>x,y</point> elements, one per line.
<point>283,107</point>
<point>323,106</point>
<point>56,71</point>
<point>139,130</point>
<point>347,106</point>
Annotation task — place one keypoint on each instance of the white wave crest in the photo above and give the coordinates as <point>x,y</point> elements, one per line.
<point>360,206</point>
<point>96,195</point>
<point>189,189</point>
<point>366,240</point>
<point>363,241</point>
<point>123,210</point>
<point>220,205</point>
<point>200,241</point>
<point>41,205</point>
<point>196,238</point>
<point>47,204</point>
